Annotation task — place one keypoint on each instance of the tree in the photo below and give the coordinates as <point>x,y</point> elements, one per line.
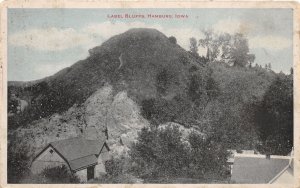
<point>194,46</point>
<point>207,156</point>
<point>239,52</point>
<point>211,44</point>
<point>196,88</point>
<point>160,152</point>
<point>212,88</point>
<point>163,81</point>
<point>12,105</point>
<point>235,49</point>
<point>173,40</point>
<point>274,117</point>
<point>17,162</point>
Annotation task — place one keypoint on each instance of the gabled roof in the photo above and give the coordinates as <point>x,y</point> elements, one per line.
<point>289,169</point>
<point>78,147</point>
<point>83,162</point>
<point>257,170</point>
<point>78,152</point>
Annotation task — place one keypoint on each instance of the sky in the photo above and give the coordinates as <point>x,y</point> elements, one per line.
<point>43,41</point>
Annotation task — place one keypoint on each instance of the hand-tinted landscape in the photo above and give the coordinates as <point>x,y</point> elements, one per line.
<point>168,114</point>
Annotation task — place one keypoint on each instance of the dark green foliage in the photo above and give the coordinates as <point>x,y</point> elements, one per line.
<point>54,175</point>
<point>212,88</point>
<point>186,108</point>
<point>115,166</point>
<point>193,69</point>
<point>239,52</point>
<point>196,88</point>
<point>17,162</point>
<point>274,117</point>
<point>59,174</point>
<point>119,179</point>
<point>179,109</point>
<point>12,105</point>
<point>119,170</point>
<point>163,80</point>
<point>160,152</point>
<point>233,130</point>
<point>207,156</point>
<point>173,40</point>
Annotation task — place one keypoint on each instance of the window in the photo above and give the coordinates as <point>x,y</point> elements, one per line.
<point>51,151</point>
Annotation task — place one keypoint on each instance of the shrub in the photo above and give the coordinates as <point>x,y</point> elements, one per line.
<point>17,161</point>
<point>207,157</point>
<point>114,166</point>
<point>173,40</point>
<point>59,174</point>
<point>160,152</point>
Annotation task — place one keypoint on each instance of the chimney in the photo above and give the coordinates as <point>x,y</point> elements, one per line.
<point>105,131</point>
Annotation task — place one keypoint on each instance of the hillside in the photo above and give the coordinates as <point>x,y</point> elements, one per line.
<point>131,61</point>
<point>141,79</point>
<point>106,90</point>
<point>164,82</point>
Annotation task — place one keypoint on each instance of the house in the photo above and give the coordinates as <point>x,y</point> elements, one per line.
<point>84,158</point>
<point>262,169</point>
<point>233,153</point>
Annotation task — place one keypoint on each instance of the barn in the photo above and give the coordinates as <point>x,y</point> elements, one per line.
<point>84,158</point>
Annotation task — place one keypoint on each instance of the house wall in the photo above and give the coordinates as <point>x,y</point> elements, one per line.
<point>47,160</point>
<point>82,175</point>
<point>105,155</point>
<point>100,167</point>
<point>285,178</point>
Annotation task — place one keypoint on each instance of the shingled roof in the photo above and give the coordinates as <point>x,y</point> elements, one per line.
<point>256,170</point>
<point>79,152</point>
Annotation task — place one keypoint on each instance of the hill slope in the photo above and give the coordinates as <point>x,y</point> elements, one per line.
<point>144,62</point>
<point>154,78</point>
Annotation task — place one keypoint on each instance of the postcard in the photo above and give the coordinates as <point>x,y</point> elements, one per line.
<point>152,93</point>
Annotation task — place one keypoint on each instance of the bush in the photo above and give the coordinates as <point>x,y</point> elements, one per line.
<point>121,178</point>
<point>17,161</point>
<point>207,157</point>
<point>160,152</point>
<point>115,166</point>
<point>173,40</point>
<point>274,118</point>
<point>59,174</point>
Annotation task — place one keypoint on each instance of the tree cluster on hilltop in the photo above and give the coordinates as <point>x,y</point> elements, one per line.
<point>232,49</point>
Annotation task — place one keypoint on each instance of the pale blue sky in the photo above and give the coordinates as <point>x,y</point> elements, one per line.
<point>43,41</point>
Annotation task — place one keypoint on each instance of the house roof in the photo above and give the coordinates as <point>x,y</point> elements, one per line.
<point>83,162</point>
<point>79,152</point>
<point>256,170</point>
